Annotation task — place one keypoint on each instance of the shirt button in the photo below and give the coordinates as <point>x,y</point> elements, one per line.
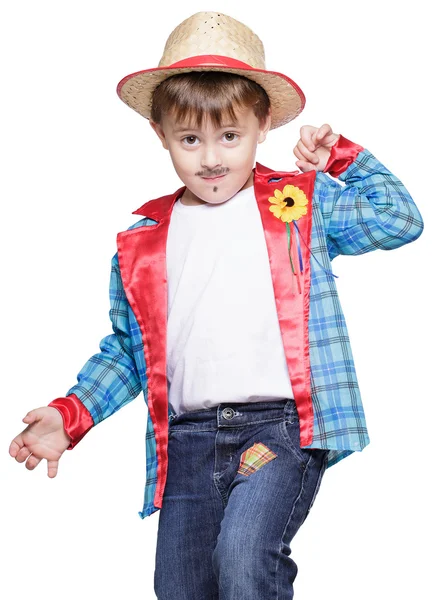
<point>228,413</point>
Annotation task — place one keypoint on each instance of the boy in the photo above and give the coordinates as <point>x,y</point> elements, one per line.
<point>225,314</point>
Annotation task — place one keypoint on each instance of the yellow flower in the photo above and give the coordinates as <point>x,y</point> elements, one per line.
<point>289,204</point>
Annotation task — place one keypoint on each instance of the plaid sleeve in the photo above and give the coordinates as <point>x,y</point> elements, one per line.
<point>109,379</point>
<point>373,210</point>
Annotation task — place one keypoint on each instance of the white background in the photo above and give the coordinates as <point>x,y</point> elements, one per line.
<point>76,162</point>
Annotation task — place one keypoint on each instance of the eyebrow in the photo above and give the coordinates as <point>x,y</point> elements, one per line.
<point>235,125</point>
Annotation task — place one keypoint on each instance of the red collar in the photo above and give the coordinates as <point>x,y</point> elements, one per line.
<point>159,208</point>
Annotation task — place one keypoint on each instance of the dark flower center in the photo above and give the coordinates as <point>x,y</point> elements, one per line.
<point>289,201</point>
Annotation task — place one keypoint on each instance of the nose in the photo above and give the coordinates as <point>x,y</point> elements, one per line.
<point>210,159</point>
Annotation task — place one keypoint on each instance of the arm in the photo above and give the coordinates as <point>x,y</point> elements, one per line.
<point>109,379</point>
<point>373,210</point>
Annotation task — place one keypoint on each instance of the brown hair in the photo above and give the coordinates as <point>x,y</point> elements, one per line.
<point>199,94</point>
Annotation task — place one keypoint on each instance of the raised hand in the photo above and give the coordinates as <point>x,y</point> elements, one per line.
<point>314,147</point>
<point>44,437</point>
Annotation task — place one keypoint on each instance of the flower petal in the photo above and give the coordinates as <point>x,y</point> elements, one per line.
<point>298,211</point>
<point>279,195</point>
<point>301,200</point>
<point>289,191</point>
<point>276,210</point>
<point>287,215</point>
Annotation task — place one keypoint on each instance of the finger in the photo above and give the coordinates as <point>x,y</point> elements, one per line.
<point>52,468</point>
<point>306,135</point>
<point>305,166</point>
<point>32,462</point>
<point>322,132</point>
<point>310,156</point>
<point>15,445</point>
<point>299,154</point>
<point>302,163</point>
<point>22,454</point>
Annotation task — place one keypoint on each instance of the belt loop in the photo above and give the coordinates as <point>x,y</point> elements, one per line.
<point>289,410</point>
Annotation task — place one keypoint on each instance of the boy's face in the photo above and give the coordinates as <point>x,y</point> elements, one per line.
<point>200,154</point>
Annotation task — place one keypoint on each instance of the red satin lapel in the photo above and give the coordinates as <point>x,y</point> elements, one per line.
<point>292,307</point>
<point>142,260</point>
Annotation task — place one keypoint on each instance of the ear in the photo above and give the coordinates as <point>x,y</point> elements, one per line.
<point>161,134</point>
<point>264,129</point>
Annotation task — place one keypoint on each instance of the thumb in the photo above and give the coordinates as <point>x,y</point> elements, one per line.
<point>31,417</point>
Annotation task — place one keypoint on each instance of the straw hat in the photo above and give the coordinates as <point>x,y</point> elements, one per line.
<point>213,41</point>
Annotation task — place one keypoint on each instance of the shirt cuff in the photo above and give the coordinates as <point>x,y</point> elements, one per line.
<point>343,153</point>
<point>76,418</point>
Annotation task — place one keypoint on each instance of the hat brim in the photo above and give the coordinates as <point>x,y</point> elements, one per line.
<point>286,98</point>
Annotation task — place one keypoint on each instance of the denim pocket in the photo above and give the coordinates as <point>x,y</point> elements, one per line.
<point>290,432</point>
<point>318,452</point>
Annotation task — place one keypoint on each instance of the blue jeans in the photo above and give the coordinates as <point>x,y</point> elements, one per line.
<point>238,488</point>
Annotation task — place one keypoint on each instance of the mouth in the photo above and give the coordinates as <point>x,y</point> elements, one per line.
<point>214,178</point>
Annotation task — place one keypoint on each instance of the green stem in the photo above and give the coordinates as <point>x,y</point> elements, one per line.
<point>289,246</point>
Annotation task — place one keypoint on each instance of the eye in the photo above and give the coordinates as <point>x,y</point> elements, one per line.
<point>190,137</point>
<point>233,134</point>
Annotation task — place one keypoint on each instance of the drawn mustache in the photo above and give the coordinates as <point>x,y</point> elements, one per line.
<point>213,174</point>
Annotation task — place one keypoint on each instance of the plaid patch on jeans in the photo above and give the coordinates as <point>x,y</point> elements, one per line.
<point>254,458</point>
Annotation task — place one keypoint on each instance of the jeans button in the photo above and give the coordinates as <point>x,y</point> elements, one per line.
<point>228,413</point>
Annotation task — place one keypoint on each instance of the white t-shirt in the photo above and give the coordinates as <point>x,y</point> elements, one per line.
<point>224,343</point>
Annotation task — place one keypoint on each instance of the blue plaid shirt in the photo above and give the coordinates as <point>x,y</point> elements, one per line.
<point>373,210</point>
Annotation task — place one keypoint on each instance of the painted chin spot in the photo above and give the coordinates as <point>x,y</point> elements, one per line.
<point>215,189</point>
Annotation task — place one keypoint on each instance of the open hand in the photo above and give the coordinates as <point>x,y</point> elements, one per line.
<point>314,147</point>
<point>44,437</point>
